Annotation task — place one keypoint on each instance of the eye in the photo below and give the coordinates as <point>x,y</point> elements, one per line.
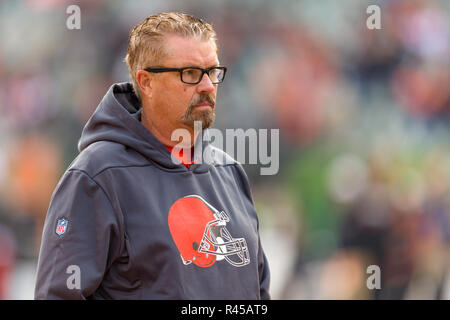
<point>216,74</point>
<point>191,75</point>
<point>189,72</point>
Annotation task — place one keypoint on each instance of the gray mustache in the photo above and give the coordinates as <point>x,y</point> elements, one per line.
<point>203,98</point>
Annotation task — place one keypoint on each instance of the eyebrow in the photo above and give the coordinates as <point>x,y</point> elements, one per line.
<point>196,66</point>
<point>216,64</point>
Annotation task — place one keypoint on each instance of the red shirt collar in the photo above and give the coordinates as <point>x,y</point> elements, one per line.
<point>183,159</point>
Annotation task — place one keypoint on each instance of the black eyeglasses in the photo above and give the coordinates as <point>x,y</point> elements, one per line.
<point>193,75</point>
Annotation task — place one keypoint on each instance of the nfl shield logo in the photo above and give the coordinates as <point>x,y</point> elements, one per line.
<point>61,226</point>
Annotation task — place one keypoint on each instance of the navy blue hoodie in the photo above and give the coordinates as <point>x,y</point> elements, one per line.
<point>127,222</point>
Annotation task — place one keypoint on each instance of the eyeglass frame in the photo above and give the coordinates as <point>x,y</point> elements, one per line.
<point>180,70</point>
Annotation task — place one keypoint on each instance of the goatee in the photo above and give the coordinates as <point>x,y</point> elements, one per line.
<point>205,116</point>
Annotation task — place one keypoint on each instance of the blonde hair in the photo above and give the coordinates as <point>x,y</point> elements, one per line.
<point>146,40</point>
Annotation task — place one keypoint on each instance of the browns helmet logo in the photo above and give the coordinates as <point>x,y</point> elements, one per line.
<point>200,234</point>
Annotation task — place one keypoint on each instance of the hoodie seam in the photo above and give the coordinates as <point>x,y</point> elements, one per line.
<point>174,171</point>
<point>140,166</point>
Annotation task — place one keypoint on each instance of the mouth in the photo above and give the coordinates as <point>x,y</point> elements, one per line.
<point>203,105</point>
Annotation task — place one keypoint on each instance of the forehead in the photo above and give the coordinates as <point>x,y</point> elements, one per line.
<point>182,52</point>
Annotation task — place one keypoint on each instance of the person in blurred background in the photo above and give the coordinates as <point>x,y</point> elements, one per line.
<point>125,220</point>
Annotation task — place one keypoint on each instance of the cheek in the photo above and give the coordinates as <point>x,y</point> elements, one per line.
<point>178,101</point>
<point>172,97</point>
<point>186,96</point>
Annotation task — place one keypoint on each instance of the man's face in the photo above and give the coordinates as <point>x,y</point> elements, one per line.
<point>180,104</point>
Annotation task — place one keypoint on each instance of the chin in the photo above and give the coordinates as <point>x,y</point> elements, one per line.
<point>206,118</point>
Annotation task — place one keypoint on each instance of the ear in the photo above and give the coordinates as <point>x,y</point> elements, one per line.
<point>144,81</point>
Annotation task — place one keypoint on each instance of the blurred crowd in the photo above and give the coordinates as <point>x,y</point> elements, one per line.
<point>364,119</point>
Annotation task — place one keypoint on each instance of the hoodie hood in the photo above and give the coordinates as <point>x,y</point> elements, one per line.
<point>118,119</point>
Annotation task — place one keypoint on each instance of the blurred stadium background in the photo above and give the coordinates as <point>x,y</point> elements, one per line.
<point>364,119</point>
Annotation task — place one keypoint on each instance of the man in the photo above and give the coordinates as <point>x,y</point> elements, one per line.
<point>128,222</point>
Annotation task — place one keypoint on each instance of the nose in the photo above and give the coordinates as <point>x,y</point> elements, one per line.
<point>205,85</point>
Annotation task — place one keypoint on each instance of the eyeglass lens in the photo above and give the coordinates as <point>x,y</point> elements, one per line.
<point>194,75</point>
